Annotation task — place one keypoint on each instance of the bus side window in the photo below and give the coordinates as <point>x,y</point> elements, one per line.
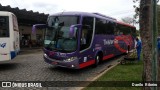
<point>83,37</point>
<point>126,30</point>
<point>15,23</point>
<point>104,27</point>
<point>110,28</point>
<point>4,26</point>
<point>133,32</point>
<point>116,32</point>
<point>121,33</point>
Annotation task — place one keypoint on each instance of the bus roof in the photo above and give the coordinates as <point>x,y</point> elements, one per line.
<point>98,15</point>
<point>125,24</point>
<point>5,13</point>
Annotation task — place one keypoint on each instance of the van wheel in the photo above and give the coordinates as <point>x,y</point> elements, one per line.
<point>97,60</point>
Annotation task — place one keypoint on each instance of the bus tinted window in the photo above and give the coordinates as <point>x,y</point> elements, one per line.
<point>88,21</point>
<point>100,26</point>
<point>133,32</point>
<point>110,28</point>
<point>104,27</point>
<point>125,30</point>
<point>87,32</point>
<point>4,26</point>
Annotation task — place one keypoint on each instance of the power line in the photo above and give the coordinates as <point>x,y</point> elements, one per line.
<point>121,12</point>
<point>15,2</point>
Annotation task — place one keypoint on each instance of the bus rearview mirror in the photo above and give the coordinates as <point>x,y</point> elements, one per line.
<point>38,26</point>
<point>73,30</point>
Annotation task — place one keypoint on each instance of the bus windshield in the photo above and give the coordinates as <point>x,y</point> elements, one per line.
<point>4,26</point>
<point>57,34</point>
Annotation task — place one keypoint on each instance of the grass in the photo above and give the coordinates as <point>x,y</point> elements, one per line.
<point>127,72</point>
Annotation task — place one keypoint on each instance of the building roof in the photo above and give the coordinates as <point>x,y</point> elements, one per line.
<point>26,17</point>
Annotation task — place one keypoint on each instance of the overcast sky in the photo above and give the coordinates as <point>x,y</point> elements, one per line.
<point>115,8</point>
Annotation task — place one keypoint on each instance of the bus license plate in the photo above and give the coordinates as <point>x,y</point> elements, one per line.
<point>54,63</point>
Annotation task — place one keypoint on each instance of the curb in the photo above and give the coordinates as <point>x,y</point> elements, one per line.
<point>102,73</point>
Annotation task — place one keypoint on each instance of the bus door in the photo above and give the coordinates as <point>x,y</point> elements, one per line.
<point>86,35</point>
<point>4,49</point>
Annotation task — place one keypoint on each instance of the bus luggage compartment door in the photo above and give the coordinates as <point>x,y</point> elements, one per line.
<point>4,49</point>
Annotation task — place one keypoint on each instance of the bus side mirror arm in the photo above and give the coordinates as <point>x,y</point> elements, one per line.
<point>72,29</point>
<point>34,27</point>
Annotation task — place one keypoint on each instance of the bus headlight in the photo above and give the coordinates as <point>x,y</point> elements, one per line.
<point>70,59</point>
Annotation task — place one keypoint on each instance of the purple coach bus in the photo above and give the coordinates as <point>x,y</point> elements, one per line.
<point>80,39</point>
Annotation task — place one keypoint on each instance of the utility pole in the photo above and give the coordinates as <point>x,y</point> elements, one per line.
<point>145,19</point>
<point>154,44</point>
<point>148,31</point>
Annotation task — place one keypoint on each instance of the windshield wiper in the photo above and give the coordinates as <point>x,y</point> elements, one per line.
<point>61,49</point>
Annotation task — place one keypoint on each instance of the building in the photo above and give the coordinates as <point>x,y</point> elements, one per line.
<point>25,20</point>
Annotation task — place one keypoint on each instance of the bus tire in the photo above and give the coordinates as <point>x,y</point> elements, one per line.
<point>97,60</point>
<point>123,62</point>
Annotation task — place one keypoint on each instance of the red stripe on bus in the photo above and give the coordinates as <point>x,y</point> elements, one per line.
<point>3,54</point>
<point>108,56</point>
<point>85,64</point>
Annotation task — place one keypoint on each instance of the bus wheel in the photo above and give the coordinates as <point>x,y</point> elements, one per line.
<point>97,60</point>
<point>128,48</point>
<point>127,52</point>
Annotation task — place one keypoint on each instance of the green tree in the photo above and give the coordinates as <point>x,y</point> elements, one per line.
<point>128,20</point>
<point>148,31</point>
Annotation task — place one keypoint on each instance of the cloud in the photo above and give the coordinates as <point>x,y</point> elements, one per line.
<point>44,7</point>
<point>115,8</point>
<point>41,4</point>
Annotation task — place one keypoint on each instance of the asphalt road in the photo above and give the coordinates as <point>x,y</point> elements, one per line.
<point>31,67</point>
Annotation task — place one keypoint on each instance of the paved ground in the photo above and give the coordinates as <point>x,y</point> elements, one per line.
<point>30,66</point>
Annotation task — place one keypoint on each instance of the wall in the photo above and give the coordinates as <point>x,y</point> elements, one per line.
<point>26,34</point>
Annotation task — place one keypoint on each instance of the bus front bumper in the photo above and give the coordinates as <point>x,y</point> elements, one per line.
<point>73,64</point>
